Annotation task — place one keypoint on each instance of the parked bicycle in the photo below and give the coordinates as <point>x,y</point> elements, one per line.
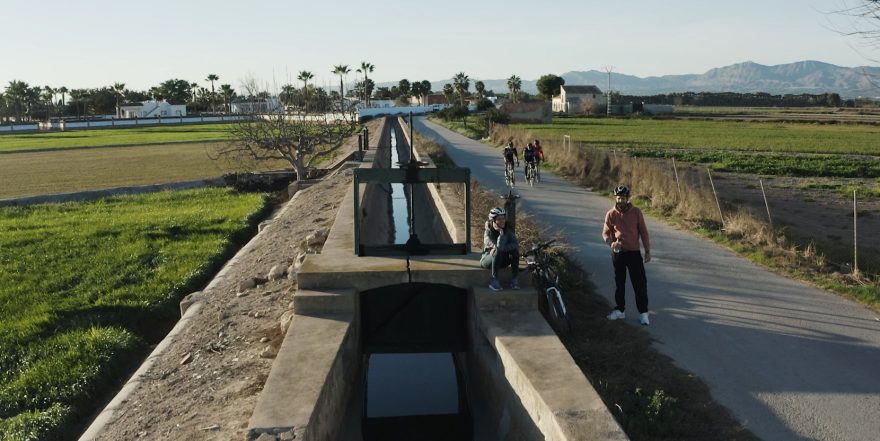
<point>547,283</point>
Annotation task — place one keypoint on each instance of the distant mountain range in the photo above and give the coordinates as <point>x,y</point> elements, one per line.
<point>813,77</point>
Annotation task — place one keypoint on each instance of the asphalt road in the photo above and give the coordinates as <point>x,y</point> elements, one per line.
<point>791,361</point>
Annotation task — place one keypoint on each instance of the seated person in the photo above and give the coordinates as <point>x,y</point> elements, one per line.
<point>500,249</point>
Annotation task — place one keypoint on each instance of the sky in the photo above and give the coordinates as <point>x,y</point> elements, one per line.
<point>95,43</point>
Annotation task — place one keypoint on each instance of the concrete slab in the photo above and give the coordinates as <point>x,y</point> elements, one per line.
<point>551,388</point>
<point>308,302</point>
<point>309,384</point>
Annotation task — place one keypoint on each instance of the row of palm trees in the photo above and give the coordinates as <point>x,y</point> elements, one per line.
<point>22,99</point>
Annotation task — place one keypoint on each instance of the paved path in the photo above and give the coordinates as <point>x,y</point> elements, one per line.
<point>791,361</point>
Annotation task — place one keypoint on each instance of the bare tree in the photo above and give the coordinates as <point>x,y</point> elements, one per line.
<point>864,23</point>
<point>301,140</point>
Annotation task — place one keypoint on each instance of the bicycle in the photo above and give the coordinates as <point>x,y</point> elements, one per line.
<point>531,173</point>
<point>509,175</point>
<point>551,303</point>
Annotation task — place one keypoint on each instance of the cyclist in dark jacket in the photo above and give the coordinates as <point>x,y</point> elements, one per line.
<point>500,249</point>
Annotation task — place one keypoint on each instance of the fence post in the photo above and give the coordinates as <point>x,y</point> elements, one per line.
<point>770,219</point>
<point>855,236</point>
<point>716,197</point>
<point>677,183</point>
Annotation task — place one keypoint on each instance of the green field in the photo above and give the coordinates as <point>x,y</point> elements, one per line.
<point>114,137</point>
<point>63,171</point>
<point>859,139</point>
<point>85,286</point>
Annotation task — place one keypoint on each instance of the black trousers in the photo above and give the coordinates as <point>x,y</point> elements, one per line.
<point>499,261</point>
<point>632,261</point>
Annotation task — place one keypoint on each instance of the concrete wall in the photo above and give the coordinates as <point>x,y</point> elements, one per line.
<point>377,227</point>
<point>442,217</point>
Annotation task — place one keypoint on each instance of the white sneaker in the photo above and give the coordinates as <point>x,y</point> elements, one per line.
<point>616,315</point>
<point>643,319</point>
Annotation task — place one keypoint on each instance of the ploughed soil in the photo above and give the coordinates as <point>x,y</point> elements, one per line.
<point>813,210</point>
<point>206,383</point>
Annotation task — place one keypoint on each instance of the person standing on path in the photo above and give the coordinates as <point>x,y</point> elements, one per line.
<point>624,227</point>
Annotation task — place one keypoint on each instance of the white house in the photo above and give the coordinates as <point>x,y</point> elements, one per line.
<point>579,99</point>
<point>152,109</point>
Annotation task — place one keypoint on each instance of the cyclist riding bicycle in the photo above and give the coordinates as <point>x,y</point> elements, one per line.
<point>530,156</point>
<point>540,151</point>
<point>510,154</point>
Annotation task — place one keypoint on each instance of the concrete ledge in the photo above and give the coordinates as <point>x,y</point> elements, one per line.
<point>525,299</point>
<point>333,271</point>
<point>306,302</point>
<point>308,388</point>
<point>553,391</point>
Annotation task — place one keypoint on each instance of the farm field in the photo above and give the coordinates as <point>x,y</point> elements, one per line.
<point>85,287</point>
<point>114,137</point>
<point>778,137</point>
<point>63,171</point>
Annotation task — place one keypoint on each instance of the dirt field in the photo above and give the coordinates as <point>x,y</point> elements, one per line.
<point>809,212</point>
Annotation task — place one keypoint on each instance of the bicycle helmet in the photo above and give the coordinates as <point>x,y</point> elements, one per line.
<point>497,211</point>
<point>621,190</point>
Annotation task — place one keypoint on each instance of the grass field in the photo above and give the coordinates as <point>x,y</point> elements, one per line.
<point>114,137</point>
<point>84,287</point>
<point>709,134</point>
<point>63,171</point>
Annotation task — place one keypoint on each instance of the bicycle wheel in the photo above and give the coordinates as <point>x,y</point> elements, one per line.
<point>558,312</point>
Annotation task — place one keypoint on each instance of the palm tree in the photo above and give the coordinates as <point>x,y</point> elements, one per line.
<point>193,87</point>
<point>287,92</point>
<point>426,88</point>
<point>119,91</point>
<point>63,91</point>
<point>448,91</point>
<point>481,89</point>
<point>305,76</point>
<point>341,70</point>
<point>366,68</point>
<point>212,78</point>
<point>16,93</point>
<point>416,90</point>
<point>462,84</point>
<point>514,84</point>
<point>48,96</point>
<point>228,94</point>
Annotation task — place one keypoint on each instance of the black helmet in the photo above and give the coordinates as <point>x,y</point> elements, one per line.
<point>510,143</point>
<point>495,212</point>
<point>621,190</point>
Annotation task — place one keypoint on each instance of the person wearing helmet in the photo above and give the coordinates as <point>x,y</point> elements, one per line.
<point>510,154</point>
<point>500,249</point>
<point>529,155</point>
<point>624,227</point>
<point>540,157</point>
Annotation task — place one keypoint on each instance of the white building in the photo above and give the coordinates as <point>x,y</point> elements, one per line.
<point>152,109</point>
<point>579,99</point>
<point>268,105</point>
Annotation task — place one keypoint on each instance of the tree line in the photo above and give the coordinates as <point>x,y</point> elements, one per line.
<point>736,99</point>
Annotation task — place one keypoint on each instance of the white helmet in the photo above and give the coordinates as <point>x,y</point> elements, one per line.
<point>495,212</point>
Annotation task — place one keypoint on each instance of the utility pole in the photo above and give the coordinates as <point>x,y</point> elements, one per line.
<point>608,110</point>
